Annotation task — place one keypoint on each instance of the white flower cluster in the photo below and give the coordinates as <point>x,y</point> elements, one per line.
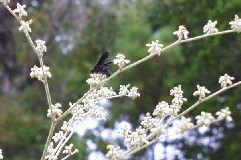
<point>89,105</point>
<point>201,92</point>
<point>67,126</point>
<point>51,152</point>
<point>136,139</point>
<point>224,114</point>
<point>114,152</point>
<point>59,142</point>
<point>68,150</point>
<point>40,48</point>
<point>152,125</point>
<point>20,10</point>
<point>5,1</point>
<point>162,110</point>
<point>236,24</point>
<point>1,154</point>
<point>184,124</point>
<point>178,95</point>
<point>148,121</point>
<point>210,27</point>
<point>121,61</point>
<point>58,136</point>
<point>25,25</point>
<point>204,119</point>
<point>155,47</point>
<point>40,73</point>
<point>150,128</point>
<point>178,99</point>
<point>96,80</point>
<point>125,91</point>
<point>77,111</point>
<point>225,80</point>
<point>182,33</point>
<point>55,111</point>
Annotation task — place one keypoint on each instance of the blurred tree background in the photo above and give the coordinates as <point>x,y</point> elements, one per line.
<point>77,31</point>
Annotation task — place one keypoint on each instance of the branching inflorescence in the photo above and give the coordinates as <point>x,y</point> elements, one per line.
<point>153,126</point>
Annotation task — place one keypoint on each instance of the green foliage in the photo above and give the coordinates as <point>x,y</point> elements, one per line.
<point>20,138</point>
<point>126,27</point>
<point>82,147</point>
<point>205,60</point>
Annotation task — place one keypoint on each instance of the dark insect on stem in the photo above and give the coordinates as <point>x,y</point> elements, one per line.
<point>102,66</point>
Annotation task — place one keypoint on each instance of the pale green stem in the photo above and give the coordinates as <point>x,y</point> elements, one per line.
<point>165,48</point>
<point>74,105</point>
<point>45,82</point>
<point>200,101</point>
<point>51,131</point>
<point>53,124</point>
<point>132,151</point>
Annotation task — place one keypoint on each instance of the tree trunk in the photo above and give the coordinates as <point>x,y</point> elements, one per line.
<point>8,64</point>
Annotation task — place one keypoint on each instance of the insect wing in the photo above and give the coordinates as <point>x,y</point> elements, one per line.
<point>108,73</point>
<point>102,59</point>
<point>102,66</point>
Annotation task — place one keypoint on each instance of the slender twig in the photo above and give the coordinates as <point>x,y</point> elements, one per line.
<point>200,101</point>
<point>135,150</point>
<point>51,131</point>
<point>65,141</point>
<point>45,82</point>
<point>130,152</point>
<point>74,105</point>
<point>150,56</point>
<point>34,49</point>
<point>76,151</point>
<point>207,35</point>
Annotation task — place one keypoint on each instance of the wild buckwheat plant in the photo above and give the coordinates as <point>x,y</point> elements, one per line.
<point>153,126</point>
